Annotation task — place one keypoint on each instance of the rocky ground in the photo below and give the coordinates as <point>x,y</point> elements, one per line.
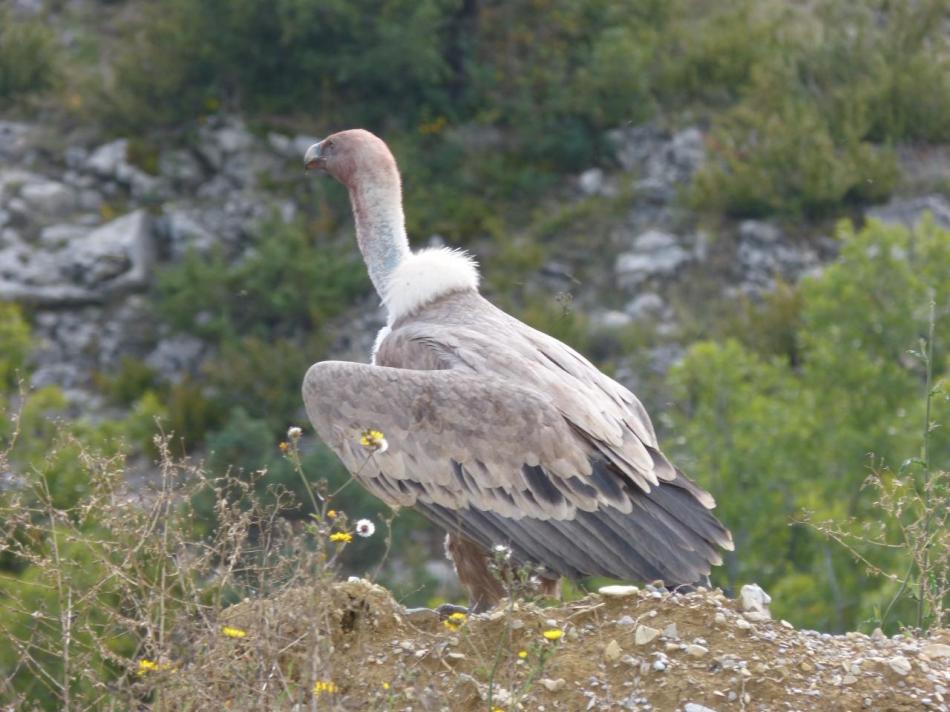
<point>624,648</point>
<point>83,229</point>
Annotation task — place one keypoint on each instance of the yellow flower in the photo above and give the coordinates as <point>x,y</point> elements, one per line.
<point>283,447</point>
<point>385,685</point>
<point>145,666</point>
<point>373,440</point>
<point>321,686</point>
<point>458,617</point>
<point>553,634</point>
<point>232,632</point>
<point>331,514</point>
<point>522,654</point>
<point>341,536</point>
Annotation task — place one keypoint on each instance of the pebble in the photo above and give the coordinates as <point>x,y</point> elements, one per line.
<point>720,618</point>
<point>743,624</point>
<point>935,650</point>
<point>626,620</point>
<point>618,591</point>
<point>697,651</point>
<point>899,664</point>
<point>670,631</point>
<point>645,634</point>
<point>613,651</point>
<point>695,707</point>
<point>552,685</point>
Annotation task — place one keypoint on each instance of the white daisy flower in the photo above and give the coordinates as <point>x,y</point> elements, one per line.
<point>365,528</point>
<point>294,432</point>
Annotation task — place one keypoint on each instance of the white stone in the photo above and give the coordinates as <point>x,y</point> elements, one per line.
<point>899,664</point>
<point>552,685</point>
<point>645,634</point>
<point>696,707</point>
<point>697,651</point>
<point>753,599</point>
<point>613,651</point>
<point>49,197</point>
<point>931,651</point>
<point>618,591</point>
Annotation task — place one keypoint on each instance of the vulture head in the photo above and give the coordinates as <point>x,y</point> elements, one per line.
<point>353,157</point>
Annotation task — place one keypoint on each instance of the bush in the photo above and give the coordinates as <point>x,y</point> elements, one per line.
<point>15,337</point>
<point>289,284</point>
<point>787,161</point>
<point>774,436</point>
<point>28,57</point>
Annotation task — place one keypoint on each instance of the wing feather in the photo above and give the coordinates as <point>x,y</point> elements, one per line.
<point>499,463</point>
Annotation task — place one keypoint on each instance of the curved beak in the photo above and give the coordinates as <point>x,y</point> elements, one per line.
<point>313,158</point>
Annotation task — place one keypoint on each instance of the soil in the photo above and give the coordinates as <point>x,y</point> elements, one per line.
<point>634,649</point>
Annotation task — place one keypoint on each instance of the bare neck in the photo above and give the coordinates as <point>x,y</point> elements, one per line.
<point>380,227</point>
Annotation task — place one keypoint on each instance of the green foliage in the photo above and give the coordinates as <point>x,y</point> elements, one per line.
<point>288,285</point>
<point>774,435</point>
<point>787,161</point>
<point>15,337</point>
<point>28,57</point>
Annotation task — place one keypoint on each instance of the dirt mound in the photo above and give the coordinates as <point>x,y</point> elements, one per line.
<point>350,646</point>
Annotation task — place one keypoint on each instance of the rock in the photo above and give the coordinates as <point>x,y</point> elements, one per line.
<point>15,140</point>
<point>176,356</point>
<point>696,707</point>
<point>654,253</point>
<point>696,651</point>
<point>181,168</point>
<point>618,591</point>
<point>662,162</point>
<point>613,651</point>
<point>647,305</point>
<point>932,651</point>
<point>182,232</point>
<point>743,624</point>
<point>594,181</point>
<point>56,237</point>
<point>552,685</point>
<point>107,160</point>
<point>118,248</point>
<point>645,634</point>
<point>899,664</point>
<point>671,631</point>
<point>610,319</point>
<point>49,198</point>
<point>764,254</point>
<point>752,599</point>
<point>111,161</point>
<point>909,211</point>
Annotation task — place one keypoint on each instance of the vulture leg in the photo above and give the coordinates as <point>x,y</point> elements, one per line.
<point>486,587</point>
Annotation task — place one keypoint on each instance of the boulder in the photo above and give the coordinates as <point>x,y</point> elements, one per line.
<point>654,253</point>
<point>48,198</point>
<point>910,211</point>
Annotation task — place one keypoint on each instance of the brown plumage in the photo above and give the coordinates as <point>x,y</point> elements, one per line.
<point>496,432</point>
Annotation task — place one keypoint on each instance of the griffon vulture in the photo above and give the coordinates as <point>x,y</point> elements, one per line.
<point>496,432</point>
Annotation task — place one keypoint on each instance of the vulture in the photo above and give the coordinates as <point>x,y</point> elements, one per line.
<point>496,432</point>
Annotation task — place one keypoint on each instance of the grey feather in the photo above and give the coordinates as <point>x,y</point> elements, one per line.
<point>502,434</point>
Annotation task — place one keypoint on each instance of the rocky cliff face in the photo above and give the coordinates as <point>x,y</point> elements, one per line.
<point>84,227</point>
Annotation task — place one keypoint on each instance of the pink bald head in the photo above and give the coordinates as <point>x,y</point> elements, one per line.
<point>353,157</point>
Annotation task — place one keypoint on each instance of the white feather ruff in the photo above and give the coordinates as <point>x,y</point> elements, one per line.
<point>425,276</point>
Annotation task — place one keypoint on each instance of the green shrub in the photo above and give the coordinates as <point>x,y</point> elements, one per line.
<point>786,161</point>
<point>773,436</point>
<point>28,57</point>
<point>289,284</point>
<point>15,337</point>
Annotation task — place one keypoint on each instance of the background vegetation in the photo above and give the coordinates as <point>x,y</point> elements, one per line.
<point>782,407</point>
